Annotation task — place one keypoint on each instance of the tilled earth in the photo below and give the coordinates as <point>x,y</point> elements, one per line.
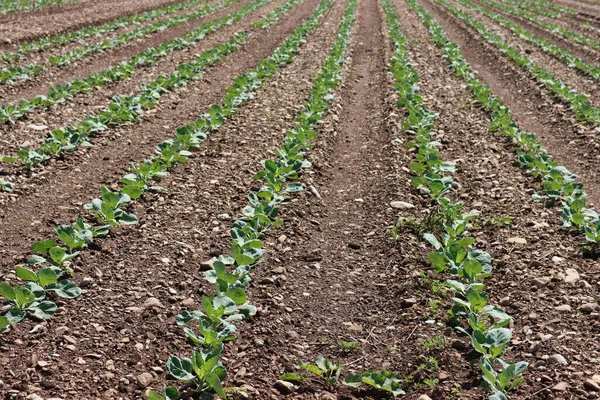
<point>332,271</point>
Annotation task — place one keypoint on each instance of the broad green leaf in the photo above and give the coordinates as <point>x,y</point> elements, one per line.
<point>238,295</point>
<point>215,383</point>
<point>43,246</point>
<point>26,274</point>
<point>23,296</point>
<point>7,291</point>
<point>181,368</point>
<point>4,323</point>
<point>42,310</point>
<point>46,277</point>
<point>15,315</point>
<point>66,289</point>
<point>57,254</point>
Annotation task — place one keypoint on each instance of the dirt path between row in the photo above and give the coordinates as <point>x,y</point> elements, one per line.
<point>32,24</point>
<point>333,276</point>
<point>111,337</point>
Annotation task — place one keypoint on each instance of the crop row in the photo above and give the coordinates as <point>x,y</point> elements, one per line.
<point>13,73</point>
<point>274,15</point>
<point>62,39</point>
<point>557,183</point>
<point>110,209</point>
<point>542,7</point>
<point>127,37</point>
<point>546,46</point>
<point>486,325</point>
<point>579,103</point>
<point>565,32</point>
<point>58,94</point>
<point>126,109</point>
<point>8,6</point>
<point>231,274</point>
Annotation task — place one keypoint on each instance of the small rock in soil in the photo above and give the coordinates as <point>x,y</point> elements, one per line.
<point>407,303</point>
<point>557,359</point>
<point>560,387</point>
<point>85,282</point>
<point>572,276</point>
<point>564,307</point>
<point>207,265</point>
<point>591,385</point>
<point>188,303</point>
<point>145,379</point>
<point>517,240</point>
<point>292,335</point>
<point>284,387</point>
<point>424,397</point>
<point>152,302</point>
<point>541,282</point>
<point>401,204</point>
<point>35,127</point>
<point>34,397</point>
<point>588,307</point>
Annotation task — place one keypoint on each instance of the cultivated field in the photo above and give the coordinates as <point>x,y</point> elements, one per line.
<point>303,199</point>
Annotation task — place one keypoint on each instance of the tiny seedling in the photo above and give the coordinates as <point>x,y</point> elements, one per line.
<point>326,370</point>
<point>348,347</point>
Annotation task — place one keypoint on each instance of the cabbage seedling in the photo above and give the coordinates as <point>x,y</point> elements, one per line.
<point>108,208</point>
<point>385,381</point>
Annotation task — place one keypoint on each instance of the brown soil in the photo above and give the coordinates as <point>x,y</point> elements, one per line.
<point>117,148</point>
<point>32,24</point>
<point>332,271</point>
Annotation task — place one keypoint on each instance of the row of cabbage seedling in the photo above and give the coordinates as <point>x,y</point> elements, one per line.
<point>580,104</point>
<point>126,37</point>
<point>128,109</point>
<point>13,73</point>
<point>545,45</point>
<point>273,16</point>
<point>122,109</point>
<point>558,184</point>
<point>203,370</point>
<point>545,8</point>
<point>583,40</point>
<point>8,6</point>
<point>110,209</point>
<point>59,94</point>
<point>486,325</point>
<point>61,39</point>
